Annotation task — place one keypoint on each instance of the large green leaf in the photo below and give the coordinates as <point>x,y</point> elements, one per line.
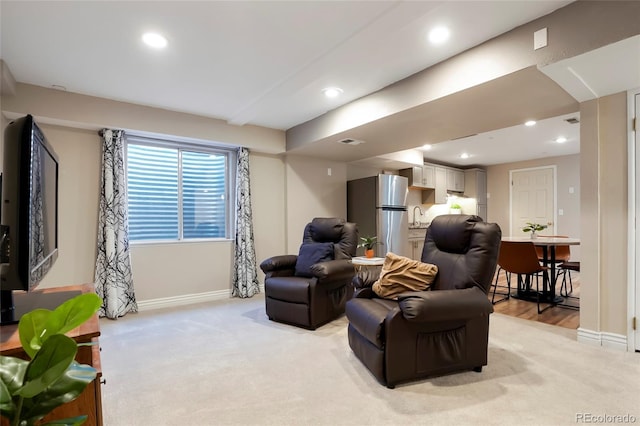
<point>7,406</point>
<point>48,365</point>
<point>66,389</point>
<point>37,326</point>
<point>31,328</point>
<point>12,372</point>
<point>73,312</point>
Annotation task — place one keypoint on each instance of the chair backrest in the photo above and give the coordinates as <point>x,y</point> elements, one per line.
<point>519,257</point>
<point>343,235</point>
<point>465,249</point>
<point>563,253</point>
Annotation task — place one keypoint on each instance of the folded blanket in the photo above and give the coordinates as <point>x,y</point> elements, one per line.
<point>400,274</point>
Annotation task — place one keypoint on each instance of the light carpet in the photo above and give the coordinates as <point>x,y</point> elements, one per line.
<point>225,363</point>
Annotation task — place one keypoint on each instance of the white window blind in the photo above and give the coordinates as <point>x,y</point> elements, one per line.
<point>177,192</point>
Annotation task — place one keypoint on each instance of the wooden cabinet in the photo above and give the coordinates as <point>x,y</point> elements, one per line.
<point>429,176</point>
<point>416,242</point>
<point>90,400</point>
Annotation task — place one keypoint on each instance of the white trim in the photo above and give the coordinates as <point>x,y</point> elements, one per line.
<point>554,167</point>
<point>632,286</point>
<point>186,299</point>
<point>608,340</point>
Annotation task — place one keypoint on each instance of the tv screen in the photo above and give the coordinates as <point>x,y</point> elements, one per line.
<point>29,210</point>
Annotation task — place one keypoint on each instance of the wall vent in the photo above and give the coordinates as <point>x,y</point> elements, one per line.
<point>466,136</point>
<point>572,120</point>
<point>349,141</point>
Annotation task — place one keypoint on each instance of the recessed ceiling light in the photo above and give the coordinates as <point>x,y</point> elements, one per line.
<point>439,35</point>
<point>530,123</point>
<point>464,155</point>
<point>426,147</point>
<point>332,92</point>
<point>154,40</point>
<point>561,139</point>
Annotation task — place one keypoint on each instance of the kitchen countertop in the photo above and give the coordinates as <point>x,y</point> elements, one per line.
<point>420,226</point>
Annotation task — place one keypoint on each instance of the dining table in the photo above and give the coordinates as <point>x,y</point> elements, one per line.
<point>548,246</point>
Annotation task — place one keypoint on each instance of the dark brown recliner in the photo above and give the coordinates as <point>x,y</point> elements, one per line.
<point>439,331</point>
<point>318,296</point>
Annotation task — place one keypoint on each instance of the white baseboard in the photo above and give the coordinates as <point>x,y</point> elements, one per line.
<point>599,338</point>
<point>185,299</point>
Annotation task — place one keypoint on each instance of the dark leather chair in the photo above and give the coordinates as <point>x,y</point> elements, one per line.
<point>439,331</point>
<point>313,300</point>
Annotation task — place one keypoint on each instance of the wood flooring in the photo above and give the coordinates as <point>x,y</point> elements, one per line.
<point>560,316</point>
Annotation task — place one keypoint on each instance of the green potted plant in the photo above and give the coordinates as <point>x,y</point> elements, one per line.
<point>455,208</point>
<point>533,228</point>
<point>368,243</point>
<point>31,389</point>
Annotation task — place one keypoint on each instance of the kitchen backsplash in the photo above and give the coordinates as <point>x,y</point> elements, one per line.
<point>429,211</point>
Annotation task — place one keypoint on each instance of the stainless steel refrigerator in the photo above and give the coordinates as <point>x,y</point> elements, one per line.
<point>378,204</point>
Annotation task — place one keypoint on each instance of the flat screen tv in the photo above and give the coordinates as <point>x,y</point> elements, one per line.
<point>29,212</point>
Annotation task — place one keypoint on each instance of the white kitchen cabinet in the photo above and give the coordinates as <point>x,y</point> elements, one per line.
<point>440,185</point>
<point>416,242</point>
<point>429,176</point>
<point>415,176</point>
<point>420,176</point>
<point>476,185</point>
<point>455,180</point>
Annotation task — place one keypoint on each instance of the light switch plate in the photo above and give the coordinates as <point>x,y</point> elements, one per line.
<point>540,39</point>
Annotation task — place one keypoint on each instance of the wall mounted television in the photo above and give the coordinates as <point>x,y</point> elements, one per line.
<point>29,217</point>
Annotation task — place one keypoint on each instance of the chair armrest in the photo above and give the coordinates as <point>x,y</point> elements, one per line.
<point>334,270</point>
<point>444,305</point>
<point>276,263</point>
<point>364,293</point>
<point>366,277</point>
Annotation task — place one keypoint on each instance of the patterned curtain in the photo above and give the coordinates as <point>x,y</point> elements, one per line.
<point>245,273</point>
<point>113,279</point>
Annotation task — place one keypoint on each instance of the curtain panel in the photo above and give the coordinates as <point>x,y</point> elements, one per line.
<point>245,274</point>
<point>113,278</point>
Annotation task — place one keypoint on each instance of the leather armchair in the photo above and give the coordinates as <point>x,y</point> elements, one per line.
<point>434,332</point>
<point>311,301</point>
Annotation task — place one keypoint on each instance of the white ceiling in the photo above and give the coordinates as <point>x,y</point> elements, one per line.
<point>265,63</point>
<point>255,62</point>
<point>517,143</point>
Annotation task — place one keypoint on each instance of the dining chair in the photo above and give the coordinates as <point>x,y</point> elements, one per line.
<point>567,267</point>
<point>520,258</point>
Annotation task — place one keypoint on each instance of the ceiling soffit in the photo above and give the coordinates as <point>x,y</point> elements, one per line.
<point>500,103</point>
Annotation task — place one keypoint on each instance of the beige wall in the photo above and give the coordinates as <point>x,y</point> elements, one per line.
<point>312,192</point>
<point>88,112</point>
<point>604,203</point>
<point>567,174</point>
<point>159,270</point>
<point>79,155</point>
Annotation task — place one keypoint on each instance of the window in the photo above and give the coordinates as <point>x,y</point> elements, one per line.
<point>178,191</point>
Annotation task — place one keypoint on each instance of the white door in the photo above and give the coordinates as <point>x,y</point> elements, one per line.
<point>532,199</point>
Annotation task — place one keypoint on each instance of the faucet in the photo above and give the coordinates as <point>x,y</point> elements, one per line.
<point>416,222</point>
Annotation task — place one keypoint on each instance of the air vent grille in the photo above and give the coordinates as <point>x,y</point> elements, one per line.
<point>572,120</point>
<point>349,141</point>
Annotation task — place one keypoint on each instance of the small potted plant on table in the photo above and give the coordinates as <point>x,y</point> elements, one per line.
<point>368,243</point>
<point>533,228</point>
<point>455,208</point>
